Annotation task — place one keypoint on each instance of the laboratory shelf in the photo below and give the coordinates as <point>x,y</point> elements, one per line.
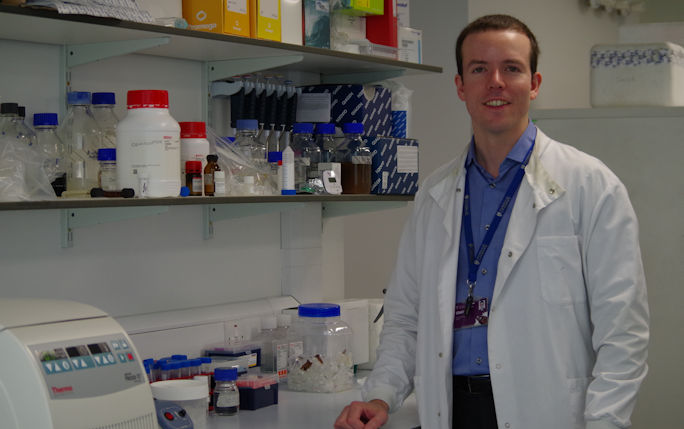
<point>49,27</point>
<point>74,203</point>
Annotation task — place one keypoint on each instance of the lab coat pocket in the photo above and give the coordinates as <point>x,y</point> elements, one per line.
<point>560,270</point>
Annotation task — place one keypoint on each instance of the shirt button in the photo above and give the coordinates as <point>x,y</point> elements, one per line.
<point>492,185</point>
<point>440,354</point>
<point>478,361</point>
<point>510,254</point>
<point>486,227</point>
<point>552,191</point>
<point>484,271</point>
<point>458,189</point>
<point>507,425</point>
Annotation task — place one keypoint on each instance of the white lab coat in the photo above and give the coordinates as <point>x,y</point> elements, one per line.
<point>568,327</point>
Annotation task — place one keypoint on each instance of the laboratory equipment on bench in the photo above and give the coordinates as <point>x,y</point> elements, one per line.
<point>172,416</point>
<point>67,365</point>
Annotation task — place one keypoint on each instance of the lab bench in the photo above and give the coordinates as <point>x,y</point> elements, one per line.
<point>309,411</point>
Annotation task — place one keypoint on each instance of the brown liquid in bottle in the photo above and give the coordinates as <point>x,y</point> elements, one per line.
<point>356,178</point>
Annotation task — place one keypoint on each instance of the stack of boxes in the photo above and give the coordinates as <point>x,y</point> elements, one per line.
<point>372,27</point>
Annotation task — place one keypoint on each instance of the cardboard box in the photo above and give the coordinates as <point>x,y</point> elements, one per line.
<point>403,13</point>
<point>370,105</point>
<point>395,165</point>
<point>218,16</point>
<point>359,7</point>
<point>637,75</point>
<point>317,23</point>
<point>265,20</point>
<point>383,29</point>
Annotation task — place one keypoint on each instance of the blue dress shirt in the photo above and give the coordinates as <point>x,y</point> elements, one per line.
<point>486,192</point>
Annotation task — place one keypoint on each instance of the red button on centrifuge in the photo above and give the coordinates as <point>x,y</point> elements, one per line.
<point>168,416</point>
<point>130,356</point>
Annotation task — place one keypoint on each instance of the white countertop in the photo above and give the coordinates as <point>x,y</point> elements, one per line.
<point>309,411</point>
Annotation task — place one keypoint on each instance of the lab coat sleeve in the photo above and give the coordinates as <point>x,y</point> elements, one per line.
<point>392,377</point>
<point>616,290</point>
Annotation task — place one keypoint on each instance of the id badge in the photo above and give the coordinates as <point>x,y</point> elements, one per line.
<point>478,316</point>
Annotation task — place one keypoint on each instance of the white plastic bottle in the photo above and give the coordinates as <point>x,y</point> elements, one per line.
<point>194,143</point>
<point>148,146</point>
<point>103,111</point>
<point>287,173</point>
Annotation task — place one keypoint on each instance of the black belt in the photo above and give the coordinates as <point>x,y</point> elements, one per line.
<point>472,383</point>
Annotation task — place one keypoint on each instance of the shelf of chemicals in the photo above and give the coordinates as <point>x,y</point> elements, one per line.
<point>88,38</point>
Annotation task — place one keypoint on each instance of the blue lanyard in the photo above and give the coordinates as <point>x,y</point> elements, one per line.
<point>474,260</point>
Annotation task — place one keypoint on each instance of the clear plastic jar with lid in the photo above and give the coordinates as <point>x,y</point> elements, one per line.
<point>326,364</point>
<point>226,393</point>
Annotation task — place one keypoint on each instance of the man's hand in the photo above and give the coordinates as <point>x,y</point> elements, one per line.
<point>363,415</point>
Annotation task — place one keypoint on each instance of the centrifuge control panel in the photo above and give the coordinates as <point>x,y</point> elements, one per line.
<point>87,367</point>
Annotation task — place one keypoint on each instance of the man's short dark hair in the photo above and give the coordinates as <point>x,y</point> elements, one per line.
<point>497,22</point>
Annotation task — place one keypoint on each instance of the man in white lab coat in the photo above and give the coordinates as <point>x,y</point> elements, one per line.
<point>518,298</point>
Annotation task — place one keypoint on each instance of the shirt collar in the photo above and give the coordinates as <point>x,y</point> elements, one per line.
<point>519,150</point>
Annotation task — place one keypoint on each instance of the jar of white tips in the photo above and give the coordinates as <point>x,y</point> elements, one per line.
<point>326,364</point>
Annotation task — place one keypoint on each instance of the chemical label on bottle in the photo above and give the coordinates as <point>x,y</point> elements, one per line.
<point>281,359</point>
<point>296,348</point>
<point>197,184</point>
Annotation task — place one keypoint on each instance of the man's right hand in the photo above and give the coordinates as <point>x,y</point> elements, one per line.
<point>363,415</point>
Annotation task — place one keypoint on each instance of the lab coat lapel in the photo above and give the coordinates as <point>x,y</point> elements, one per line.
<point>537,191</point>
<point>448,195</point>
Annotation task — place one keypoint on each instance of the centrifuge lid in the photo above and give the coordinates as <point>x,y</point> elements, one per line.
<point>17,312</point>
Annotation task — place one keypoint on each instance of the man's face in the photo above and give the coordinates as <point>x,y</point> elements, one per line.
<point>497,84</point>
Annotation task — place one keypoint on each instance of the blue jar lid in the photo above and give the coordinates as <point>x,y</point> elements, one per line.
<point>179,357</point>
<point>247,124</point>
<point>319,309</point>
<point>225,374</point>
<point>288,192</point>
<point>325,128</point>
<point>106,154</point>
<point>78,97</point>
<point>352,128</point>
<point>104,98</point>
<point>275,156</point>
<point>302,128</point>
<point>44,119</point>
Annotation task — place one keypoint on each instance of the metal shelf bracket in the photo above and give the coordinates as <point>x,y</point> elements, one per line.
<point>217,70</point>
<point>215,212</point>
<point>70,219</point>
<point>77,55</point>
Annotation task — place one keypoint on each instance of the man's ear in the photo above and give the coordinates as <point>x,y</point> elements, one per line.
<point>459,86</point>
<point>534,87</point>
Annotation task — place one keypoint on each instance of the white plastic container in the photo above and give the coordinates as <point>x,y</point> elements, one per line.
<point>192,395</point>
<point>649,74</point>
<point>194,143</point>
<point>148,146</point>
<point>326,364</point>
<point>291,22</point>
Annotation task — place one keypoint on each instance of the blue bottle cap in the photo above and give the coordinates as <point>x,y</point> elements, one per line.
<point>104,98</point>
<point>78,97</point>
<point>179,357</point>
<point>275,156</point>
<point>44,119</point>
<point>352,128</point>
<point>325,128</point>
<point>319,309</point>
<point>106,154</point>
<point>225,374</point>
<point>288,192</point>
<point>184,191</point>
<point>302,128</point>
<point>205,359</point>
<point>247,124</point>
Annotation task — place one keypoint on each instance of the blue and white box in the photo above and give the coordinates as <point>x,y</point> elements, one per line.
<point>395,165</point>
<point>650,74</point>
<point>368,104</point>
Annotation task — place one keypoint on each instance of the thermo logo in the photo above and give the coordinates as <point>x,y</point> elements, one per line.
<point>201,15</point>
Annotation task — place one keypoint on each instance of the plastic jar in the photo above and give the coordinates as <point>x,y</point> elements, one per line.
<point>226,394</point>
<point>192,395</point>
<point>148,146</point>
<point>194,144</point>
<point>326,364</point>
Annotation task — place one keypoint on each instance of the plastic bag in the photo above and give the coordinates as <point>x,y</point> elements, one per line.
<point>243,178</point>
<point>22,173</point>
